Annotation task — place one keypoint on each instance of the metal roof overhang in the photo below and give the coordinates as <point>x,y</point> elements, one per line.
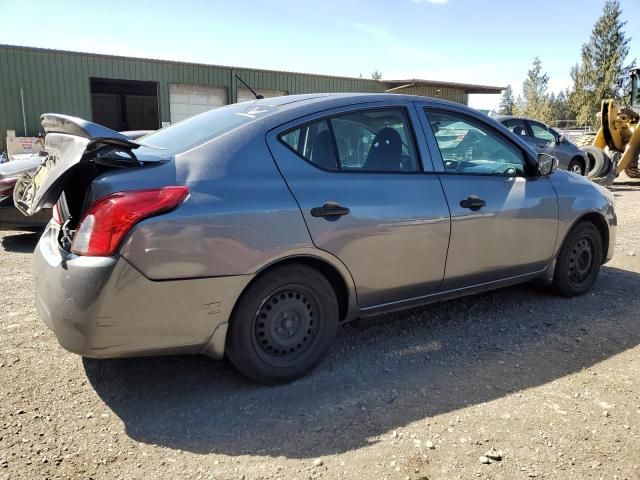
<point>395,85</point>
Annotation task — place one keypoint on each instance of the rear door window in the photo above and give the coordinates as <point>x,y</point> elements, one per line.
<point>314,143</point>
<point>379,140</point>
<point>516,126</point>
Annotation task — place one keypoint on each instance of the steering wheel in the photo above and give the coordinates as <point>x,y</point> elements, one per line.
<point>452,165</point>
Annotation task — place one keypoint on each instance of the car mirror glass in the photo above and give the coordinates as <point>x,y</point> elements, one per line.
<point>547,164</point>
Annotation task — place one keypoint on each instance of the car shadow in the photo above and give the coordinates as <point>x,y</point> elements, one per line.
<point>23,242</point>
<point>629,186</point>
<point>383,373</point>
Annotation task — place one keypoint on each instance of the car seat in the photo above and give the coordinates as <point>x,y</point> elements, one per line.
<point>385,152</point>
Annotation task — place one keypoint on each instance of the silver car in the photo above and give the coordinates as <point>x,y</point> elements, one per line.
<point>256,229</point>
<point>545,139</point>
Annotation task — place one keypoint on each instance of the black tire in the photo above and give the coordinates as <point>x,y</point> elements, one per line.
<point>576,166</point>
<point>598,161</point>
<point>283,325</point>
<point>579,261</point>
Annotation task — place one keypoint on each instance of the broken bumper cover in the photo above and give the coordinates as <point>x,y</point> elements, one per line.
<point>103,307</point>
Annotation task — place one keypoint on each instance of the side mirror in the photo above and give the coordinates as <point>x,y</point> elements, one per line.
<point>547,164</point>
<point>561,139</point>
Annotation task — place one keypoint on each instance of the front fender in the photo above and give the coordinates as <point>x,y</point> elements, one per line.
<point>579,197</point>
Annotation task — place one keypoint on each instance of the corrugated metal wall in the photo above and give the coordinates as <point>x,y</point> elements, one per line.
<point>446,93</point>
<point>54,81</point>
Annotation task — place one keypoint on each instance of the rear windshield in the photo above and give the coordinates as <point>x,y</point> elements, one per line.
<point>194,131</point>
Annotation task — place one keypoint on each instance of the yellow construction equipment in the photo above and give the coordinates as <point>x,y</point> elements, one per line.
<point>616,146</point>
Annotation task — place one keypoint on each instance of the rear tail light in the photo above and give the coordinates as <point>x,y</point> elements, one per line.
<point>109,219</point>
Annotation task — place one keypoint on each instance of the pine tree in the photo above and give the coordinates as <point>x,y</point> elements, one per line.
<point>518,109</point>
<point>561,110</point>
<point>535,96</point>
<point>507,102</point>
<point>376,75</point>
<point>601,71</point>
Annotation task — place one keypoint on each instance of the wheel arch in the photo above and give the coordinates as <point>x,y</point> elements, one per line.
<point>600,222</point>
<point>343,287</point>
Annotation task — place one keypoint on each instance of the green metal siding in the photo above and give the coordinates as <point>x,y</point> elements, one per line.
<point>447,93</point>
<point>55,81</point>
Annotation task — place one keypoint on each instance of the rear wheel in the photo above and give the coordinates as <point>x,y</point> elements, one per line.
<point>576,166</point>
<point>283,325</point>
<point>579,261</point>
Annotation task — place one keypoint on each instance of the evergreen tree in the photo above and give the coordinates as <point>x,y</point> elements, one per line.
<point>561,110</point>
<point>535,96</point>
<point>601,71</point>
<point>519,107</point>
<point>376,75</point>
<point>507,102</point>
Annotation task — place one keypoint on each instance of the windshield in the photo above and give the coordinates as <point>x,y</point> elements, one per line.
<point>194,131</point>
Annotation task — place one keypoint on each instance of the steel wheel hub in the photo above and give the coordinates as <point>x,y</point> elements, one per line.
<point>581,260</point>
<point>285,324</point>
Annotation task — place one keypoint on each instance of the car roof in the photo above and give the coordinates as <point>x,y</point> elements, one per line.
<point>310,101</point>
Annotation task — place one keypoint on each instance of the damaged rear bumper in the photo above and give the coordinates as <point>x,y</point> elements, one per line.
<point>103,307</point>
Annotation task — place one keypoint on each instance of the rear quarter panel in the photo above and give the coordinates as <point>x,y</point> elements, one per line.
<point>238,217</point>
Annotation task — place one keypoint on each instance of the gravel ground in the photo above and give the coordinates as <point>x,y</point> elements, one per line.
<point>552,384</point>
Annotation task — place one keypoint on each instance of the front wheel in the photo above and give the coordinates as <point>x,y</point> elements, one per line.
<point>579,261</point>
<point>575,166</point>
<point>283,325</point>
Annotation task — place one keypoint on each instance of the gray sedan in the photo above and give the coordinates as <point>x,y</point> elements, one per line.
<point>545,139</point>
<point>254,230</point>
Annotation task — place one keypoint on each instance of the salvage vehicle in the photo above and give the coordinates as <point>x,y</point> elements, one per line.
<point>547,140</point>
<point>10,217</point>
<point>254,230</point>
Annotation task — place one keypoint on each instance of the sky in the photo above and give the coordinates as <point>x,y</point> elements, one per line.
<point>491,42</point>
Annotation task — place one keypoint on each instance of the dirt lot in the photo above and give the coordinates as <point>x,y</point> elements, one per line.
<point>553,383</point>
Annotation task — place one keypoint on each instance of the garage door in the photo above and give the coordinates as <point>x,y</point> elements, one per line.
<point>245,95</point>
<point>187,100</point>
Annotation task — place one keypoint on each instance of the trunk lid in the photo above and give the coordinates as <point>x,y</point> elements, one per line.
<point>73,145</point>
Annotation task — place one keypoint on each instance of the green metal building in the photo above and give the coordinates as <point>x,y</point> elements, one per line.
<point>126,93</point>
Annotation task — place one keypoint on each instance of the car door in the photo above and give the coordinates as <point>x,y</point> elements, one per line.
<point>503,220</point>
<point>359,180</point>
<point>564,150</point>
<point>544,139</point>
